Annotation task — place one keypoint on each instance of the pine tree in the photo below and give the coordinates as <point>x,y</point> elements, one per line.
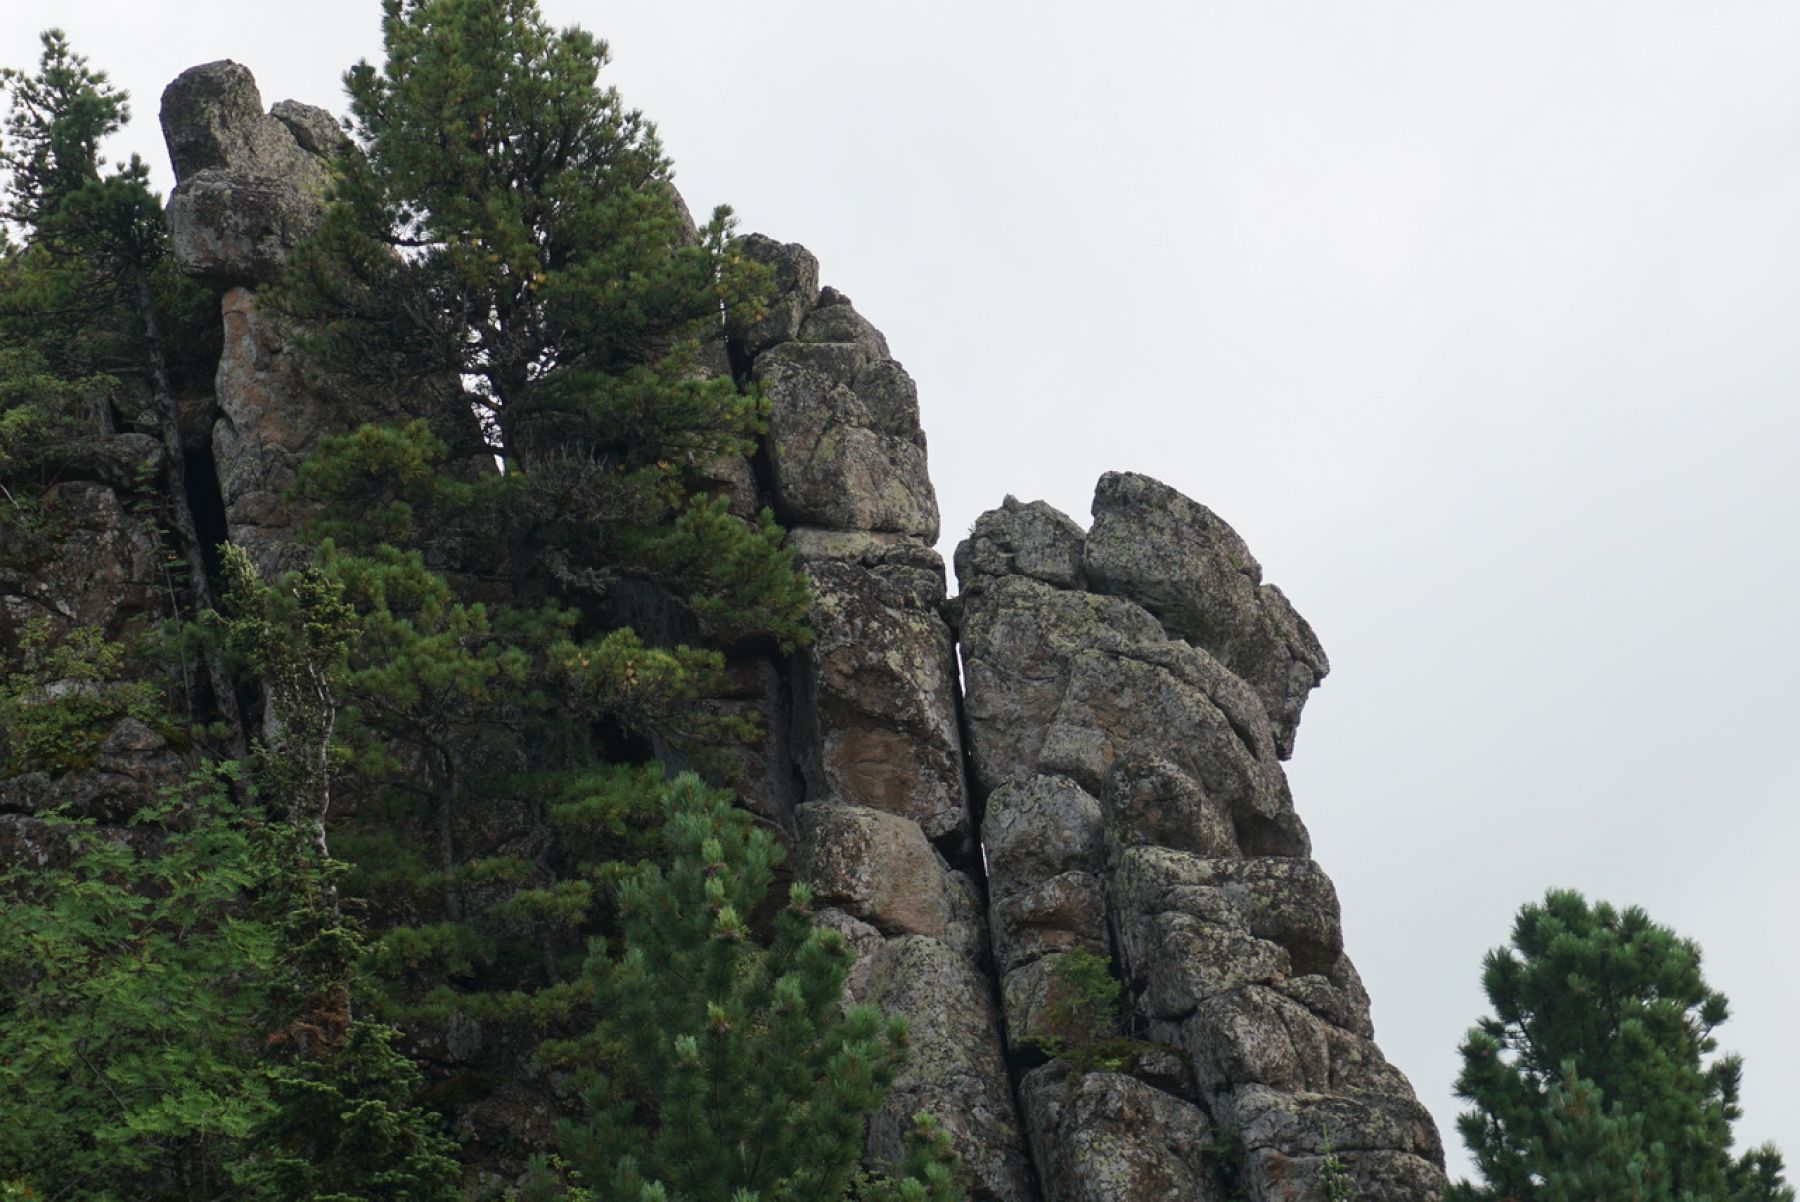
<point>342,1124</point>
<point>504,220</point>
<point>732,1072</point>
<point>91,294</point>
<point>524,638</point>
<point>1595,1076</point>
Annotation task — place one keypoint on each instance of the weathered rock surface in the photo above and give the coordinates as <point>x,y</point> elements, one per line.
<point>1107,1137</point>
<point>876,690</point>
<point>1020,539</point>
<point>249,184</point>
<point>1126,744</point>
<point>846,451</point>
<point>102,567</point>
<point>1174,557</point>
<point>884,832</point>
<point>272,414</point>
<point>954,1070</point>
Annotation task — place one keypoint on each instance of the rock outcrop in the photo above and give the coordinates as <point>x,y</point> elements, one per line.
<point>885,834</point>
<point>1130,695</point>
<point>1082,753</point>
<point>249,184</point>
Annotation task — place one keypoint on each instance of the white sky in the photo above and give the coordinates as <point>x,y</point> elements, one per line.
<point>1477,320</point>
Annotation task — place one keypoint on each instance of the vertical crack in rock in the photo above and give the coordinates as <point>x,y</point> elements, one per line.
<point>1129,695</point>
<point>886,834</point>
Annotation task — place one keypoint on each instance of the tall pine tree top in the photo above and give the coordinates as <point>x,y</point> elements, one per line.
<point>1595,1076</point>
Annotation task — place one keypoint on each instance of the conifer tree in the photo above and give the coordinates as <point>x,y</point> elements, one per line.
<point>341,1124</point>
<point>1595,1075</point>
<point>503,219</point>
<point>732,1072</point>
<point>91,293</point>
<point>524,637</point>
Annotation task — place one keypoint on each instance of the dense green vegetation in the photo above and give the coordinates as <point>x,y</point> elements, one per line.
<point>1594,1077</point>
<point>228,995</point>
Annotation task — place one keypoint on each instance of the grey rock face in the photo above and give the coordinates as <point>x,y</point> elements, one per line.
<point>876,690</point>
<point>1022,539</point>
<point>103,571</point>
<point>884,829</point>
<point>1127,696</point>
<point>1038,828</point>
<point>879,869</point>
<point>954,1071</point>
<point>250,184</point>
<point>1126,743</point>
<point>1174,557</point>
<point>846,451</point>
<point>273,412</point>
<point>1107,1137</point>
<point>795,273</point>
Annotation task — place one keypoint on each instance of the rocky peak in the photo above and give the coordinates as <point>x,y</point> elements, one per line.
<point>1089,762</point>
<point>249,184</point>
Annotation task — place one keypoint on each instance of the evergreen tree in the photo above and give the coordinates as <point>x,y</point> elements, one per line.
<point>90,295</point>
<point>524,638</point>
<point>342,1125</point>
<point>131,977</point>
<point>732,1071</point>
<point>503,219</point>
<point>1594,1077</point>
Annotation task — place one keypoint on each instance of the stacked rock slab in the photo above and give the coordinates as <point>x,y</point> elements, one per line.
<point>249,186</point>
<point>1130,693</point>
<point>885,834</point>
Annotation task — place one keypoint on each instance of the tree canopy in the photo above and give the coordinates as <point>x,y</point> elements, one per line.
<point>1595,1077</point>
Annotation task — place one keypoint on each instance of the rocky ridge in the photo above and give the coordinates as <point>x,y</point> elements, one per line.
<point>1101,771</point>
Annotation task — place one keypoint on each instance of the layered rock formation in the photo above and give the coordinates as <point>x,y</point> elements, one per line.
<point>1130,694</point>
<point>1100,772</point>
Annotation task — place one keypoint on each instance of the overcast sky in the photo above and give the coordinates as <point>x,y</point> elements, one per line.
<point>1480,322</point>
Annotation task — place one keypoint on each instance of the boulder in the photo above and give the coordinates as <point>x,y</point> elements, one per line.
<point>1375,1176</point>
<point>1177,559</point>
<point>1061,914</point>
<point>1108,1137</point>
<point>880,869</point>
<point>1149,801</point>
<point>953,1071</point>
<point>875,692</point>
<point>845,448</point>
<point>1024,539</point>
<point>1037,828</point>
<point>249,184</point>
<point>796,278</point>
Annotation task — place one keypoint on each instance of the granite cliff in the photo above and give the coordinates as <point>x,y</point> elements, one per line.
<point>1081,752</point>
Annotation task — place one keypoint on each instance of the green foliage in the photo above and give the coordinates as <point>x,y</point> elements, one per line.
<point>342,1125</point>
<point>1335,1182</point>
<point>1081,1018</point>
<point>1595,1076</point>
<point>534,209</point>
<point>504,220</point>
<point>58,118</point>
<point>58,705</point>
<point>733,1071</point>
<point>38,410</point>
<point>135,976</point>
